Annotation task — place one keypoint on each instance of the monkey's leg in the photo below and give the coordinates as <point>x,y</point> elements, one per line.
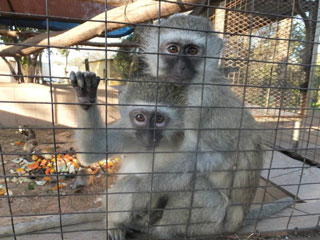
<point>207,213</point>
<point>125,201</point>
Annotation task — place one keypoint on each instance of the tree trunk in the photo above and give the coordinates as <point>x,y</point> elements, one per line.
<point>30,68</point>
<point>19,69</point>
<point>12,70</point>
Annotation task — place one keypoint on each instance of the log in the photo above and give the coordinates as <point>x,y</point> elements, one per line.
<point>115,3</point>
<point>15,34</point>
<point>101,44</point>
<point>136,12</point>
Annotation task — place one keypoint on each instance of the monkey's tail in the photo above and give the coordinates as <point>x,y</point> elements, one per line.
<point>267,210</point>
<point>53,221</point>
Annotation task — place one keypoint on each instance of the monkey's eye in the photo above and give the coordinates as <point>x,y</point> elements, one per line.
<point>159,119</point>
<point>140,117</point>
<point>192,50</point>
<point>173,48</point>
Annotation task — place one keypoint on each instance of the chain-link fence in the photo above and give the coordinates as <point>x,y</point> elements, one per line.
<point>270,59</point>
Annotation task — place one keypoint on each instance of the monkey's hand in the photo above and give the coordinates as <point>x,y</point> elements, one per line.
<point>85,85</point>
<point>153,215</point>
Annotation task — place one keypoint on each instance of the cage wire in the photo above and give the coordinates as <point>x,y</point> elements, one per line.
<point>270,56</point>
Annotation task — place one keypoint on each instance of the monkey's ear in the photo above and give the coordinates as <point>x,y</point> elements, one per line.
<point>219,46</point>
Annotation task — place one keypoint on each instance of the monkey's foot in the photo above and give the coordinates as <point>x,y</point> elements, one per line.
<point>85,85</point>
<point>146,218</point>
<point>116,234</point>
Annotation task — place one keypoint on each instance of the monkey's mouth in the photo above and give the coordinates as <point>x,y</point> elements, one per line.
<point>152,145</point>
<point>179,79</point>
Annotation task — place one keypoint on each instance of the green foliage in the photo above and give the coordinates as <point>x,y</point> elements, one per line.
<point>20,38</point>
<point>31,186</point>
<point>27,64</point>
<point>126,60</point>
<point>297,47</point>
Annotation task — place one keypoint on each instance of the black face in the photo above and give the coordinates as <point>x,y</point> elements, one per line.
<point>149,126</point>
<point>182,61</point>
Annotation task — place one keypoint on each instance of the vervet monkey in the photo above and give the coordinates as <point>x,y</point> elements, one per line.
<point>142,129</point>
<point>190,55</point>
<point>156,137</point>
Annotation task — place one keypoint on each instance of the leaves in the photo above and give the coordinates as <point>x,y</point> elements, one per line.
<point>31,186</point>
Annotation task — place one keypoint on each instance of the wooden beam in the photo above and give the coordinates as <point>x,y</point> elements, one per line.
<point>136,12</point>
<point>101,44</point>
<point>10,33</point>
<point>115,3</point>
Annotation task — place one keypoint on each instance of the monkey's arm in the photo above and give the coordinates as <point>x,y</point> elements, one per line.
<point>91,140</point>
<point>91,135</point>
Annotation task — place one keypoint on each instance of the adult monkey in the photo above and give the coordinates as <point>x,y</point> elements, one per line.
<point>229,144</point>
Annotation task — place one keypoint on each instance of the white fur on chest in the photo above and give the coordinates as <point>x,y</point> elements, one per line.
<point>135,164</point>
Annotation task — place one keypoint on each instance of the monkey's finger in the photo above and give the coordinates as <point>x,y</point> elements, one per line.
<point>88,78</point>
<point>73,79</point>
<point>80,79</point>
<point>95,80</point>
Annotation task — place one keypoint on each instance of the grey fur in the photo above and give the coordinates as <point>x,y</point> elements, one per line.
<point>199,30</point>
<point>94,141</point>
<point>227,159</point>
<point>232,166</point>
<point>173,177</point>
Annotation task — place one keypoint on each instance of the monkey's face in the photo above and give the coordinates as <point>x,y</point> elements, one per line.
<point>179,60</point>
<point>181,55</point>
<point>150,128</point>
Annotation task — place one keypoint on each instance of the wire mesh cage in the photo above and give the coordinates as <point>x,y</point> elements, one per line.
<point>68,172</point>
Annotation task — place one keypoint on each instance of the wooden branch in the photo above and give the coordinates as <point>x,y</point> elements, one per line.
<point>10,33</point>
<point>101,44</point>
<point>115,3</point>
<point>136,12</point>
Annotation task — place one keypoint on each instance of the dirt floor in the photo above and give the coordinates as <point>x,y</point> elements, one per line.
<point>29,199</point>
<point>295,235</point>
